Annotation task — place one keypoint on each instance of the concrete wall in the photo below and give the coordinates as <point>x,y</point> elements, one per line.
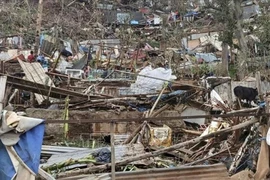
<point>78,129</point>
<point>224,90</point>
<point>194,112</point>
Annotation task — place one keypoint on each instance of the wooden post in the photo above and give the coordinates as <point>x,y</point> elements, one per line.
<point>230,93</point>
<point>3,80</point>
<point>109,61</point>
<point>2,67</point>
<point>267,108</point>
<point>258,84</point>
<point>56,62</point>
<point>128,140</point>
<point>66,117</point>
<point>155,104</point>
<point>39,20</point>
<point>112,152</point>
<point>32,99</point>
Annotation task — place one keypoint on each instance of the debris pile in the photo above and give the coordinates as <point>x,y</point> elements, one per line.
<point>120,106</point>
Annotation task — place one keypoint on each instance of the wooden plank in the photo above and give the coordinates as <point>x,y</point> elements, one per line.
<point>45,175</point>
<point>34,72</point>
<point>43,89</point>
<point>259,85</point>
<point>186,151</point>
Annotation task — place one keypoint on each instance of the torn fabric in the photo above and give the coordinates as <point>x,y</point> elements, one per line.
<point>20,146</point>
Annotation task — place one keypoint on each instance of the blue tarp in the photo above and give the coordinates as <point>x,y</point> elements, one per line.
<point>140,108</point>
<point>134,22</point>
<point>28,148</point>
<point>7,170</point>
<point>84,49</point>
<point>262,104</point>
<point>207,57</point>
<point>41,39</point>
<point>192,13</point>
<point>170,95</point>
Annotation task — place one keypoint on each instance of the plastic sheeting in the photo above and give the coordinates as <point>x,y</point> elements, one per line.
<point>7,169</point>
<point>268,137</point>
<point>215,98</point>
<point>62,65</point>
<point>20,153</point>
<point>148,83</point>
<point>207,57</point>
<point>178,93</point>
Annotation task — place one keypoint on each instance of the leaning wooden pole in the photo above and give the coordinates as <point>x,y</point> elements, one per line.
<point>38,26</point>
<point>3,81</point>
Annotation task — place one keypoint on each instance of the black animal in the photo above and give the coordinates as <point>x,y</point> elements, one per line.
<point>83,1</point>
<point>66,53</point>
<point>246,93</point>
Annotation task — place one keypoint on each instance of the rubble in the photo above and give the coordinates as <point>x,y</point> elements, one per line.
<point>140,98</point>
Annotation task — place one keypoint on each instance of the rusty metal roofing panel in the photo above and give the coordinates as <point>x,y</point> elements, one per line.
<point>202,172</point>
<point>121,152</point>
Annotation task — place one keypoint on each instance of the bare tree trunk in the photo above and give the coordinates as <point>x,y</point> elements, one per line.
<point>241,39</point>
<point>225,53</point>
<point>39,20</point>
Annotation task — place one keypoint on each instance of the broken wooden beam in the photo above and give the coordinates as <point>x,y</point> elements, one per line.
<point>205,158</point>
<point>43,89</point>
<point>176,154</point>
<point>128,140</point>
<point>154,119</point>
<point>191,132</point>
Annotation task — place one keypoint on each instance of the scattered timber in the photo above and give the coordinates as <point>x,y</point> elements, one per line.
<point>45,90</point>
<point>158,152</point>
<point>152,119</point>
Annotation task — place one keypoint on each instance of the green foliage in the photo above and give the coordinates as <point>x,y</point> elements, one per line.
<point>263,31</point>
<point>154,43</point>
<point>17,18</point>
<point>201,69</point>
<point>232,71</point>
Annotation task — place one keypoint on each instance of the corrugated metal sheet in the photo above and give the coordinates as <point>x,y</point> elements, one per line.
<point>108,43</point>
<point>250,11</point>
<point>205,172</point>
<point>122,17</point>
<point>35,73</point>
<point>51,150</point>
<point>225,90</point>
<point>105,6</point>
<point>121,152</point>
<point>48,44</point>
